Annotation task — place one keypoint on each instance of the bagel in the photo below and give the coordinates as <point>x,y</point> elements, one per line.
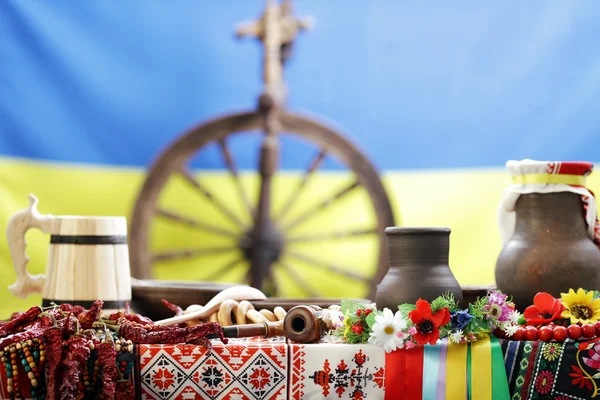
<point>214,317</point>
<point>268,315</point>
<point>280,313</point>
<point>227,308</point>
<point>256,317</point>
<point>242,310</point>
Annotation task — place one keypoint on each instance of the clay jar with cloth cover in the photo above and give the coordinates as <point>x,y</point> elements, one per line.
<point>418,269</point>
<point>549,227</point>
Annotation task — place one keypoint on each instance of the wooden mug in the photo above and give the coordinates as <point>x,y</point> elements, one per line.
<point>88,258</point>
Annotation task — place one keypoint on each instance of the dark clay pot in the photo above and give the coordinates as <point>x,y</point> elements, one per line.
<point>418,267</point>
<point>549,251</point>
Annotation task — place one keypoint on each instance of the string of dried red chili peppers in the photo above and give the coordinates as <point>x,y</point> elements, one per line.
<point>68,352</point>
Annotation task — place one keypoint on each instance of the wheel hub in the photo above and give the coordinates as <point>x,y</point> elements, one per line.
<point>270,242</point>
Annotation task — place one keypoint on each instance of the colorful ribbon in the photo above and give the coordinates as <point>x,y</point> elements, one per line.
<point>413,376</point>
<point>474,371</point>
<point>456,371</point>
<point>499,381</point>
<point>481,371</point>
<point>395,366</point>
<point>441,377</point>
<point>431,366</point>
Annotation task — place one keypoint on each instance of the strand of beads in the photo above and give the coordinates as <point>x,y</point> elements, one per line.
<point>90,376</point>
<point>27,351</point>
<point>125,367</point>
<point>6,358</point>
<point>558,333</point>
<point>12,372</point>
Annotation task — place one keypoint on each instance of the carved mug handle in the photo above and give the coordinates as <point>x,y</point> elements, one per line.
<point>18,225</point>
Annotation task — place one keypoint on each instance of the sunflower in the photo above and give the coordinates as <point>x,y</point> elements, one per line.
<point>581,307</point>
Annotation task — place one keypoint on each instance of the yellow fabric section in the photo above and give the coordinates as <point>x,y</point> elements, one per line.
<point>456,371</point>
<point>548,178</point>
<point>481,369</point>
<point>464,200</point>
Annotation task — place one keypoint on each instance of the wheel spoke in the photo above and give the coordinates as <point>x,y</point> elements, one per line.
<point>210,197</point>
<point>232,167</point>
<point>299,280</point>
<point>191,253</point>
<point>317,237</point>
<point>223,269</point>
<point>316,162</point>
<point>322,205</point>
<point>331,267</point>
<point>195,223</point>
<point>273,281</point>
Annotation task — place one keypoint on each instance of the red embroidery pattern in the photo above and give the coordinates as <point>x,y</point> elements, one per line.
<point>237,371</point>
<point>344,379</point>
<point>298,370</point>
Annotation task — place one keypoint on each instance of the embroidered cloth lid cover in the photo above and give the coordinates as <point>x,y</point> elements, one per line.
<point>549,172</point>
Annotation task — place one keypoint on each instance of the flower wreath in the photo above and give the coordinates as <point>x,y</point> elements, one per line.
<point>575,315</point>
<point>424,322</point>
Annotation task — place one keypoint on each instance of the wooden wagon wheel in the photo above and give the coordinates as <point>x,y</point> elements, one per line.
<point>267,243</point>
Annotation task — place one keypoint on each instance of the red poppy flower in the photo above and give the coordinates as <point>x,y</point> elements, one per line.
<point>428,323</point>
<point>544,310</point>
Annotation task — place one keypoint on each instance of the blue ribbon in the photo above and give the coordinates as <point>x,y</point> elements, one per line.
<point>431,361</point>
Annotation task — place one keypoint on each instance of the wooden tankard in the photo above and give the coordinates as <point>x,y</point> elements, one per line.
<point>88,258</point>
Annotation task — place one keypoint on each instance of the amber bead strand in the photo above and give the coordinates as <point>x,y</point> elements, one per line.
<point>14,390</point>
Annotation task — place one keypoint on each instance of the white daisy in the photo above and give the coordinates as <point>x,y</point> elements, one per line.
<point>385,330</point>
<point>457,337</point>
<point>510,329</point>
<point>514,317</point>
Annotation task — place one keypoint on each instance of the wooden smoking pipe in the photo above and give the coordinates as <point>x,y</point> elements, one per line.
<point>302,324</point>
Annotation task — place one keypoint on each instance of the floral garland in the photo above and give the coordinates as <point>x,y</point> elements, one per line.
<point>424,322</point>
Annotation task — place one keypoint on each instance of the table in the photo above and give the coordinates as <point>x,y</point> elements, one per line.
<point>276,369</point>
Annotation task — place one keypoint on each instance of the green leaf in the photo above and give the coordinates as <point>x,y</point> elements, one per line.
<point>405,309</point>
<point>522,320</point>
<point>371,319</point>
<point>351,306</point>
<point>439,303</point>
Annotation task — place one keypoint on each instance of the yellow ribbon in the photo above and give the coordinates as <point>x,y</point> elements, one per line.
<point>481,369</point>
<point>456,371</point>
<point>578,180</point>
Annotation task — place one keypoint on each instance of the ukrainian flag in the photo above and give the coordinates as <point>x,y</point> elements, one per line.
<point>439,96</point>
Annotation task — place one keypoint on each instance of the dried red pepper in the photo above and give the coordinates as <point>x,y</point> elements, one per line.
<point>87,318</point>
<point>139,319</point>
<point>36,330</point>
<point>69,308</point>
<point>173,307</point>
<point>78,352</point>
<point>169,334</point>
<point>125,390</point>
<point>107,359</point>
<point>23,319</point>
<point>16,314</point>
<point>53,343</point>
<point>69,326</point>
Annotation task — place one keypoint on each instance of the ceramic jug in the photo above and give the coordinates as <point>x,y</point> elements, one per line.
<point>548,223</point>
<point>418,268</point>
<point>88,258</point>
<point>549,251</point>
